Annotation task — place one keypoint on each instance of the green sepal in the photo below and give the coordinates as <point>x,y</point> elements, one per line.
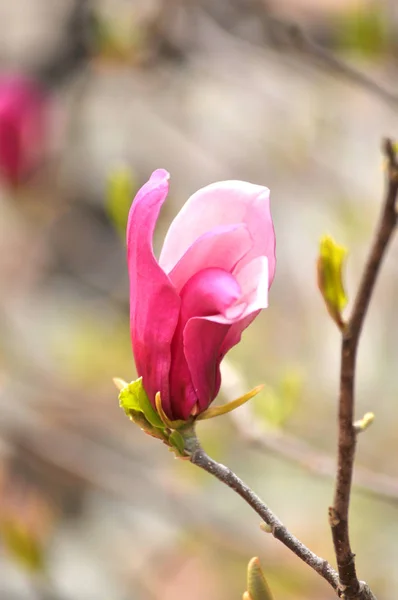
<point>223,409</point>
<point>133,398</point>
<point>257,586</point>
<point>150,413</point>
<point>176,440</point>
<point>135,402</point>
<point>164,418</point>
<point>139,419</point>
<point>128,400</point>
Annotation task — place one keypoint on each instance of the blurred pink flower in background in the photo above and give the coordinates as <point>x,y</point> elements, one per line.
<point>23,127</point>
<point>188,309</point>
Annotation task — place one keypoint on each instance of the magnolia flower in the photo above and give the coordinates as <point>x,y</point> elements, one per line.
<point>23,127</point>
<point>190,307</point>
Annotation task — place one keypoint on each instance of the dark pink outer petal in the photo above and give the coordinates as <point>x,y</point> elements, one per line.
<point>210,292</point>
<point>203,340</point>
<point>220,204</point>
<point>154,302</point>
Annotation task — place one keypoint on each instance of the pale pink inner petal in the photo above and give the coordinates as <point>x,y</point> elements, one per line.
<point>253,282</point>
<point>256,297</point>
<point>222,203</point>
<point>253,279</point>
<point>222,247</point>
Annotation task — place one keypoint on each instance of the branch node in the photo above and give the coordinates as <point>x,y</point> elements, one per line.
<point>389,149</point>
<point>334,518</point>
<point>266,527</point>
<point>364,423</point>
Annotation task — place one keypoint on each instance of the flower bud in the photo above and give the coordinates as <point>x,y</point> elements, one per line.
<point>330,278</point>
<point>23,127</point>
<point>190,307</point>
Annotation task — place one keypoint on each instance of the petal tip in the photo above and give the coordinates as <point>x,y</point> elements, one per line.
<point>159,176</point>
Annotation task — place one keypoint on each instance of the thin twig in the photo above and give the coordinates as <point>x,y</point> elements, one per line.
<point>349,584</point>
<point>278,530</point>
<point>380,486</point>
<point>297,38</point>
<point>75,47</point>
<point>290,36</point>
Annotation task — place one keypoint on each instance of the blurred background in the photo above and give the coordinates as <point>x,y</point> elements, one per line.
<point>93,97</point>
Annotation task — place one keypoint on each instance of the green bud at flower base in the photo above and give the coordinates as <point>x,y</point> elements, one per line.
<point>330,278</point>
<point>135,403</point>
<point>134,400</point>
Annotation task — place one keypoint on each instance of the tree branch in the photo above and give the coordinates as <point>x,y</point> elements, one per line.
<point>278,530</point>
<point>339,512</point>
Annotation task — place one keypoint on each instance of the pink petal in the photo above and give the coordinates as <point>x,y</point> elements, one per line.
<point>24,108</point>
<point>222,247</point>
<point>208,339</point>
<point>154,302</point>
<point>209,292</point>
<point>223,203</point>
<point>203,340</point>
<point>254,281</point>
